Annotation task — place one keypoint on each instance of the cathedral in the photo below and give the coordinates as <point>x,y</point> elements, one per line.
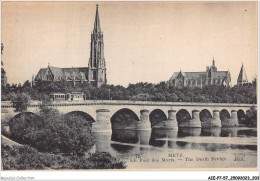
<point>95,73</point>
<point>200,79</point>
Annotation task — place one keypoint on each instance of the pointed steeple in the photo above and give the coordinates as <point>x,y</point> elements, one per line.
<point>213,67</point>
<point>97,28</point>
<point>242,78</point>
<point>97,64</point>
<point>180,74</point>
<point>213,62</point>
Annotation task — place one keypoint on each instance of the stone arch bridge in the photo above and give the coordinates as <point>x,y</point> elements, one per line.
<point>142,115</point>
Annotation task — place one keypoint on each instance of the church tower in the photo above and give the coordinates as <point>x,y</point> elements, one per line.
<point>97,64</point>
<point>242,78</point>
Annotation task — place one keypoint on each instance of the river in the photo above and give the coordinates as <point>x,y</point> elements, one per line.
<point>195,148</point>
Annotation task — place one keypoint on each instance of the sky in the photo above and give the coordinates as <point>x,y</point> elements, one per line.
<point>143,41</point>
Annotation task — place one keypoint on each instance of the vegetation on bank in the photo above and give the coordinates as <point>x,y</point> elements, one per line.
<point>142,91</point>
<point>53,141</point>
<point>52,132</point>
<point>27,158</point>
<point>251,117</point>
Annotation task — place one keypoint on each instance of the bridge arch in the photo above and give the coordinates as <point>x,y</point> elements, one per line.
<point>224,115</point>
<point>241,115</point>
<point>86,117</point>
<point>156,116</point>
<point>205,115</point>
<point>183,115</point>
<point>124,119</point>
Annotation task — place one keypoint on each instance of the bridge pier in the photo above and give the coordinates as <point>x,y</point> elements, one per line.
<point>233,121</point>
<point>214,122</point>
<point>144,123</point>
<point>172,120</point>
<point>170,123</point>
<point>144,137</point>
<point>234,118</point>
<point>102,123</point>
<point>194,122</point>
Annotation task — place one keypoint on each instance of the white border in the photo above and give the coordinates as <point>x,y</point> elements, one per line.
<point>129,175</point>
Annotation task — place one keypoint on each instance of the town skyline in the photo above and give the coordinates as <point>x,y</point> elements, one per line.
<point>143,42</point>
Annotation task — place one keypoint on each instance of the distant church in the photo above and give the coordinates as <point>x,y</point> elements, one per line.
<point>242,78</point>
<point>95,73</point>
<point>200,79</point>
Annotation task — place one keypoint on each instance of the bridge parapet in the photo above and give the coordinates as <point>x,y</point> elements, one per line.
<point>104,110</point>
<point>122,102</point>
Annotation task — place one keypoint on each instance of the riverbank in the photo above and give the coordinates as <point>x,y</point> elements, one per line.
<point>22,157</point>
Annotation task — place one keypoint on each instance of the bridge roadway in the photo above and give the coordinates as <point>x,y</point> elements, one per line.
<point>145,114</point>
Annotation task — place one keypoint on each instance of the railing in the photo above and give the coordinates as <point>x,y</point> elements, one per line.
<point>8,104</point>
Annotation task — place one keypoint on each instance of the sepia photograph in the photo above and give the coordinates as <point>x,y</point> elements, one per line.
<point>131,86</point>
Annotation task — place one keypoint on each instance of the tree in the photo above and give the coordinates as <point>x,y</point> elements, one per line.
<point>77,134</point>
<point>52,132</point>
<point>159,97</point>
<point>172,97</point>
<point>142,91</point>
<point>2,49</point>
<point>20,102</point>
<point>251,117</point>
<point>23,124</point>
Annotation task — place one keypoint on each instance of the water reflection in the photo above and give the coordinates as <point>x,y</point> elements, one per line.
<point>129,138</point>
<point>211,132</point>
<point>247,133</point>
<point>129,142</point>
<point>125,136</point>
<point>228,132</point>
<point>157,137</point>
<point>184,132</point>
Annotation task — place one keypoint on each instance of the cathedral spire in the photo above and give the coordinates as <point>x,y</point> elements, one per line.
<point>97,64</point>
<point>97,28</point>
<point>242,78</point>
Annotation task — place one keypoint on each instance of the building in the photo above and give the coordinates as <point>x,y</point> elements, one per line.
<point>95,73</point>
<point>199,79</point>
<point>3,73</point>
<point>3,78</point>
<point>242,78</point>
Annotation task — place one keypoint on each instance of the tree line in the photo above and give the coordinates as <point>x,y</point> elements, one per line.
<point>142,91</point>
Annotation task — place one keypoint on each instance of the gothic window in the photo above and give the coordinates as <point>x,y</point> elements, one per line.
<point>193,83</point>
<point>49,77</point>
<point>209,74</point>
<point>95,63</point>
<point>94,74</point>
